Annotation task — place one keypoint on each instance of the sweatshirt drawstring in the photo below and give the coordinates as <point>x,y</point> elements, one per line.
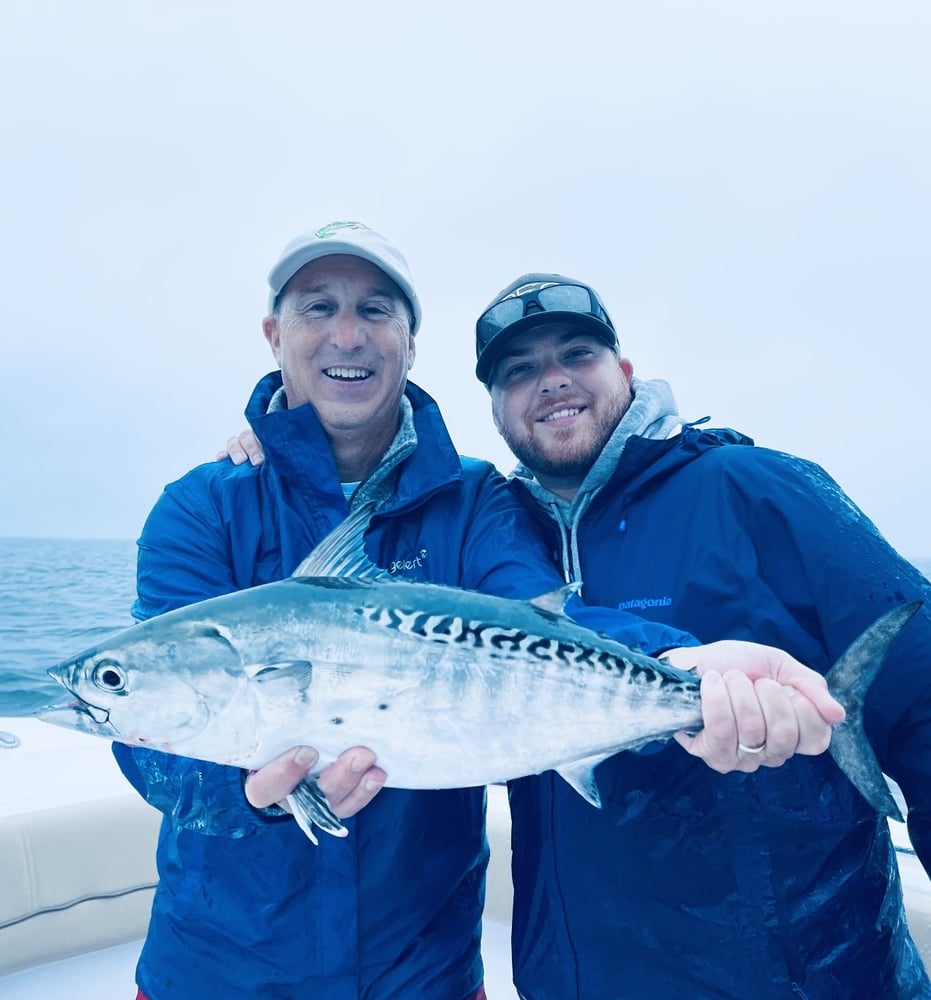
<point>569,546</point>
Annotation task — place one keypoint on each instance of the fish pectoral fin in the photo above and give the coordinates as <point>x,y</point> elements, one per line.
<point>213,631</point>
<point>580,774</point>
<point>309,804</point>
<point>288,670</point>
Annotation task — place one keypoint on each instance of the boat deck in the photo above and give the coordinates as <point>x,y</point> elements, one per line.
<point>71,925</point>
<point>67,920</point>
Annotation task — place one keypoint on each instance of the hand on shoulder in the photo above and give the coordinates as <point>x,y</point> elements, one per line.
<point>242,447</point>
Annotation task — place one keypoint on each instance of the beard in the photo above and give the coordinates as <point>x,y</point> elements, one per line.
<point>554,461</point>
<point>566,455</point>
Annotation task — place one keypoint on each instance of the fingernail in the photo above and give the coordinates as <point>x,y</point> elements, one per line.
<point>360,764</point>
<point>305,756</point>
<point>711,677</point>
<point>371,786</point>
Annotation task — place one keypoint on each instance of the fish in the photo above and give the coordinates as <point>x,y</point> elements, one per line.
<point>449,687</point>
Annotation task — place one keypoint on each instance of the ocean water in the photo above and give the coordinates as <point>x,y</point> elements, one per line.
<point>58,597</point>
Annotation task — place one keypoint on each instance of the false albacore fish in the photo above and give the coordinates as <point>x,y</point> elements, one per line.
<point>449,687</point>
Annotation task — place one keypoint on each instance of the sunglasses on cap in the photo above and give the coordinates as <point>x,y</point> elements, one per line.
<point>546,297</point>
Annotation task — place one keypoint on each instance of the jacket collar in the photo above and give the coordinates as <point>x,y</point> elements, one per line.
<point>421,459</point>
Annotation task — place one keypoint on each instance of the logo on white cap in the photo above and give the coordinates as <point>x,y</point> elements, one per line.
<point>333,228</point>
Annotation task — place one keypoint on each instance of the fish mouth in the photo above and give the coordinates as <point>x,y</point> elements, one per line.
<point>77,714</point>
<point>74,712</point>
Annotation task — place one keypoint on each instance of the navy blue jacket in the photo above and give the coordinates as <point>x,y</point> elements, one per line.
<point>246,906</point>
<point>698,885</point>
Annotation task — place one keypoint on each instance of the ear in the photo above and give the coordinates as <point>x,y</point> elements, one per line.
<point>494,414</point>
<point>411,351</point>
<point>626,367</point>
<point>273,336</point>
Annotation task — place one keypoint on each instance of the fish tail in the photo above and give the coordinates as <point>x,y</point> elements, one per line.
<point>848,681</point>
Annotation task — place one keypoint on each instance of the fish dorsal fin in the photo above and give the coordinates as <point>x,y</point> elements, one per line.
<point>341,552</point>
<point>580,774</point>
<point>288,670</point>
<point>554,601</point>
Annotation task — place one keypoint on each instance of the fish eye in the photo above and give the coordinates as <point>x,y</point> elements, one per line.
<point>108,674</point>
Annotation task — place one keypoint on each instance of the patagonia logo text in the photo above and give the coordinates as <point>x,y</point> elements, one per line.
<point>645,602</point>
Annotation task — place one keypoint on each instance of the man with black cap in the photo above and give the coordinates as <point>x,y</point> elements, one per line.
<point>772,884</point>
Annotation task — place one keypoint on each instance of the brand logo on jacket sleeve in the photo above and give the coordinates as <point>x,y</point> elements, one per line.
<point>399,566</point>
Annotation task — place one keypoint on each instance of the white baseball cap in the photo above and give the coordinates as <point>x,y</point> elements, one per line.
<point>353,238</point>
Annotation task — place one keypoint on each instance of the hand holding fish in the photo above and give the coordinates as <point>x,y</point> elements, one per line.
<point>753,696</point>
<point>349,783</point>
<point>374,661</point>
<point>759,705</point>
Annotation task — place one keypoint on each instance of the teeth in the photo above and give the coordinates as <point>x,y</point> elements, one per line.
<point>346,372</point>
<point>572,411</point>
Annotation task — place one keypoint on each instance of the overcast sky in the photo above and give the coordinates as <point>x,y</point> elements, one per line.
<point>745,182</point>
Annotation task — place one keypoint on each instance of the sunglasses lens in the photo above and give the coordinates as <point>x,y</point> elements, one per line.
<point>565,298</point>
<point>554,298</point>
<point>498,317</point>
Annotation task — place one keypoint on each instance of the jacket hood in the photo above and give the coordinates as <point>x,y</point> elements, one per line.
<point>651,414</point>
<point>648,444</point>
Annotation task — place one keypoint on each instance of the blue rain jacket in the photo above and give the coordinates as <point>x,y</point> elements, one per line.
<point>688,883</point>
<point>247,907</point>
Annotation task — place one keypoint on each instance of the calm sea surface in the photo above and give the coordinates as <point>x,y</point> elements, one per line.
<point>58,597</point>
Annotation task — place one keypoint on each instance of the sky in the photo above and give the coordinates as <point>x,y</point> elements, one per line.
<point>746,183</point>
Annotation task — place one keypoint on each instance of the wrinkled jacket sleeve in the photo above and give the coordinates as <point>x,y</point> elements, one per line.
<point>836,573</point>
<point>182,559</point>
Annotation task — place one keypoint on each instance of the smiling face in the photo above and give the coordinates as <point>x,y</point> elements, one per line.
<point>342,339</point>
<point>556,397</point>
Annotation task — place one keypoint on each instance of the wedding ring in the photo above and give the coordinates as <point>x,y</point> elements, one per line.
<point>758,749</point>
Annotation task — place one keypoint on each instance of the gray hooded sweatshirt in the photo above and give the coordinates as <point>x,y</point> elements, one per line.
<point>651,414</point>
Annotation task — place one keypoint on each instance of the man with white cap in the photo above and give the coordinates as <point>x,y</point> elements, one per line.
<point>246,905</point>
